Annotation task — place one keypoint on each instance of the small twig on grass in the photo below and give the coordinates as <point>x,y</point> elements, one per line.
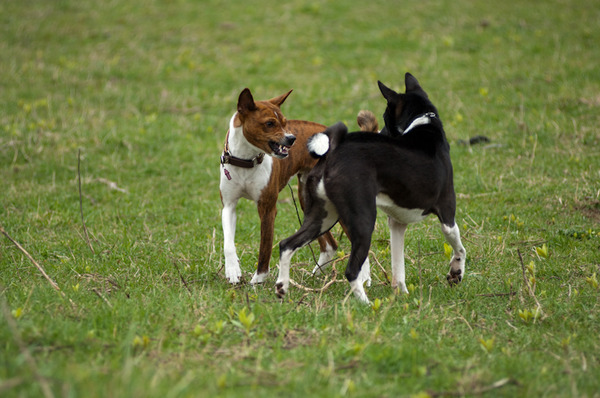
<point>310,289</point>
<point>478,391</point>
<point>511,293</point>
<point>302,299</point>
<point>466,322</point>
<point>12,325</point>
<point>181,277</point>
<point>327,285</point>
<point>212,246</point>
<point>111,184</point>
<point>9,384</point>
<point>380,266</point>
<point>511,325</point>
<point>102,297</point>
<point>39,267</point>
<point>529,288</point>
<point>85,232</point>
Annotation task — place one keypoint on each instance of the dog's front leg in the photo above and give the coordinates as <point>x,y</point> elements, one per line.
<point>397,231</point>
<point>232,263</point>
<point>459,255</point>
<point>267,210</point>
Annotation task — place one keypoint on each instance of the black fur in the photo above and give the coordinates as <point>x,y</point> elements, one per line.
<point>412,168</point>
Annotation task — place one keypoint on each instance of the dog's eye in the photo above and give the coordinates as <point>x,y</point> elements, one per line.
<point>270,124</point>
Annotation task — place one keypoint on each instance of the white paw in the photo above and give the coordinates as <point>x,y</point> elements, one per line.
<point>359,291</point>
<point>324,261</point>
<point>259,278</point>
<point>457,271</point>
<point>233,273</point>
<point>318,270</point>
<point>281,288</point>
<point>402,288</point>
<point>399,286</point>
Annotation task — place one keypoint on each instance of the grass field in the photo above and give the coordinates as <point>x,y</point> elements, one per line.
<point>131,99</point>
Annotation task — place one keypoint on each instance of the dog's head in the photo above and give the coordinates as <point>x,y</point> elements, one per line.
<point>264,125</point>
<point>402,109</point>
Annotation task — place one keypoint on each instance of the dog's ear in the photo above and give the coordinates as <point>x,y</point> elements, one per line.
<point>246,102</point>
<point>389,94</point>
<point>412,84</point>
<point>279,100</point>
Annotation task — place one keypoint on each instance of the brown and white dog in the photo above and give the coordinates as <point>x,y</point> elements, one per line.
<point>255,129</point>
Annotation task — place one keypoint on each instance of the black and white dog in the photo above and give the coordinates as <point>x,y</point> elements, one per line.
<point>405,171</point>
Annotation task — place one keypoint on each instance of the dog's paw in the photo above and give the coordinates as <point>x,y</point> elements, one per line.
<point>233,274</point>
<point>356,287</point>
<point>318,270</point>
<point>324,262</point>
<point>259,278</point>
<point>280,290</point>
<point>454,276</point>
<point>399,287</point>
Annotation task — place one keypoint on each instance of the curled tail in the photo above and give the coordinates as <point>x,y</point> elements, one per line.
<point>322,143</point>
<point>367,121</point>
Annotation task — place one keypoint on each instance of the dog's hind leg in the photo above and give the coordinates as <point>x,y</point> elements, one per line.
<point>306,234</point>
<point>360,228</point>
<point>327,243</point>
<point>355,273</point>
<point>364,275</point>
<point>326,258</point>
<point>232,263</point>
<point>318,220</point>
<point>397,231</point>
<point>459,255</point>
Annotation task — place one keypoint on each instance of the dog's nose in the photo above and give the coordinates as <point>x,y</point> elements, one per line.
<point>289,140</point>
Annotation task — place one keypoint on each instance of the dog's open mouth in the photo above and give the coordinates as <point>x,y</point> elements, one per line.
<point>279,150</point>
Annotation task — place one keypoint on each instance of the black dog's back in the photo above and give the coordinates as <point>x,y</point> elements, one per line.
<point>415,170</point>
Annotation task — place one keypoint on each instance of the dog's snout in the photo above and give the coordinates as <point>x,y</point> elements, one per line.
<point>289,140</point>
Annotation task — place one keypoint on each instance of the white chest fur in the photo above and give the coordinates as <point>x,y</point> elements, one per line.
<point>238,182</point>
<point>400,214</point>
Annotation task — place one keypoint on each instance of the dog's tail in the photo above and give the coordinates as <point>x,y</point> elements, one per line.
<point>367,121</point>
<point>322,143</point>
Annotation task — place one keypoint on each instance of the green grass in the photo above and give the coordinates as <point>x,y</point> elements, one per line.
<point>144,89</point>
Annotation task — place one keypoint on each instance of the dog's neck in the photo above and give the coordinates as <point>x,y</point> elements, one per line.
<point>421,120</point>
<point>236,144</point>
